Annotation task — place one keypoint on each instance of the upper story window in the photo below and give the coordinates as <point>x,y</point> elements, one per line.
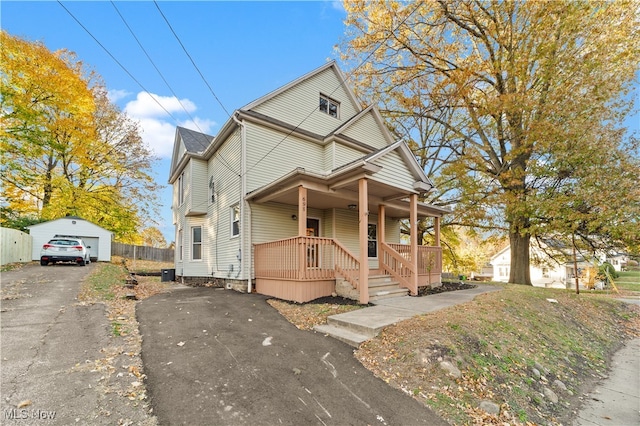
<point>235,220</point>
<point>181,189</point>
<point>329,106</point>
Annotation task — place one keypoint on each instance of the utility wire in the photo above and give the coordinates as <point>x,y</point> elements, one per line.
<point>154,66</point>
<point>190,58</point>
<point>226,164</point>
<point>115,60</point>
<point>343,82</point>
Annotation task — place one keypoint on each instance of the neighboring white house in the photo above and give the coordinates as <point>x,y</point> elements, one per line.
<point>616,259</point>
<point>544,271</point>
<point>301,191</point>
<point>97,238</point>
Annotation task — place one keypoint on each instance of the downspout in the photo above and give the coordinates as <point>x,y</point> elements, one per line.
<point>245,225</point>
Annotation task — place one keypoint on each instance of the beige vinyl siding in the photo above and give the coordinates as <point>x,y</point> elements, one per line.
<point>225,168</point>
<point>345,155</point>
<point>346,230</point>
<point>366,130</point>
<point>181,151</point>
<point>195,268</point>
<point>198,187</point>
<point>270,155</point>
<point>272,221</point>
<point>394,172</point>
<point>299,105</point>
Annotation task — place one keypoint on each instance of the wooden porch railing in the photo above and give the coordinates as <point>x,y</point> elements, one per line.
<point>397,264</point>
<point>396,260</point>
<point>305,259</point>
<point>429,257</point>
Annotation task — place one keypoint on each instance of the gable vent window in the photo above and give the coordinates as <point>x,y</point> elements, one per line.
<point>329,106</point>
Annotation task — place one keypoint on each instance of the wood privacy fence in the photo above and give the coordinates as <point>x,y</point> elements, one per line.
<point>15,246</point>
<point>142,252</point>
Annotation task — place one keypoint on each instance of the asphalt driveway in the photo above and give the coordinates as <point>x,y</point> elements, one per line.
<point>53,352</point>
<point>215,356</point>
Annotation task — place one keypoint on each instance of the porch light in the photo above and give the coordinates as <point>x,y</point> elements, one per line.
<point>352,206</point>
<point>294,217</point>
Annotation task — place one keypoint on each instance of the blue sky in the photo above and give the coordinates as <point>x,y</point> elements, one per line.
<point>243,49</point>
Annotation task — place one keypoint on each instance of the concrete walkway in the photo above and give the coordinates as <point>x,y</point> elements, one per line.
<point>357,326</point>
<point>616,400</point>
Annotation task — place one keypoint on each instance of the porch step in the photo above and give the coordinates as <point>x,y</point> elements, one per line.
<point>383,287</point>
<point>341,333</point>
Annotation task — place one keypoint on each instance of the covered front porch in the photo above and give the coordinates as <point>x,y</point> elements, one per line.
<point>306,266</point>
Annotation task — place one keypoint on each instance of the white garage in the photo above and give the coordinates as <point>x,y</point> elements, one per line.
<point>99,239</point>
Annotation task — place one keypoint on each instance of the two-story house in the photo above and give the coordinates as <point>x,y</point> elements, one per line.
<point>301,195</point>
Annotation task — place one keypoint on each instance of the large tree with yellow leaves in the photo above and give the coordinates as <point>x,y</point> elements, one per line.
<point>516,108</point>
<point>66,150</point>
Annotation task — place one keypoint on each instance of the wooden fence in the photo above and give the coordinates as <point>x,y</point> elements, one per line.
<point>142,252</point>
<point>15,246</point>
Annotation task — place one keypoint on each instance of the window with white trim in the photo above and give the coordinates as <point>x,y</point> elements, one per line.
<point>235,220</point>
<point>181,189</point>
<point>329,106</point>
<point>180,244</point>
<point>372,237</point>
<point>196,243</point>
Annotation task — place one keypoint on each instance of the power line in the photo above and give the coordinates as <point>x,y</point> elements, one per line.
<point>154,66</point>
<point>226,164</point>
<point>116,61</point>
<point>334,90</point>
<point>342,82</point>
<point>191,59</point>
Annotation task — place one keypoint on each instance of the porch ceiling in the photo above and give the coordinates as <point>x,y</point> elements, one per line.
<point>325,194</point>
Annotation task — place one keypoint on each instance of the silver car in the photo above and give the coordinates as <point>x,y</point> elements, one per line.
<point>65,249</point>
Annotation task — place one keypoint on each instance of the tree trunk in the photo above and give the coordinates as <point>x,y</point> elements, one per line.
<point>519,271</point>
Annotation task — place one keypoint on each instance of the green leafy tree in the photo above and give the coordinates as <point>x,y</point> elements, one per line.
<point>66,150</point>
<point>515,107</point>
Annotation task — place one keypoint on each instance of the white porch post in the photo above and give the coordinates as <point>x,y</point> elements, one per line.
<point>436,231</point>
<point>363,213</point>
<point>413,228</point>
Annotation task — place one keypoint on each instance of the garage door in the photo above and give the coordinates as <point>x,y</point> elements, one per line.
<point>94,243</point>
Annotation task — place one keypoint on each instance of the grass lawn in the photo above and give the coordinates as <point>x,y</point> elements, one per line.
<point>628,280</point>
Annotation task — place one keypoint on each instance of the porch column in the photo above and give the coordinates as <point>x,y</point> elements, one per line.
<point>302,211</point>
<point>413,228</point>
<point>363,214</point>
<point>436,231</point>
<point>381,224</point>
<point>302,230</point>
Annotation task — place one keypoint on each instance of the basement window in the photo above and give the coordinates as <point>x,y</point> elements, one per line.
<point>329,106</point>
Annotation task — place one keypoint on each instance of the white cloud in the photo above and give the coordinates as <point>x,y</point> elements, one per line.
<point>152,105</point>
<point>115,95</point>
<point>338,5</point>
<point>157,127</point>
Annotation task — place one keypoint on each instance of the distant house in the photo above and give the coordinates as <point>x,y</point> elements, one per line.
<point>544,271</point>
<point>617,259</point>
<point>300,195</point>
<point>94,236</point>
